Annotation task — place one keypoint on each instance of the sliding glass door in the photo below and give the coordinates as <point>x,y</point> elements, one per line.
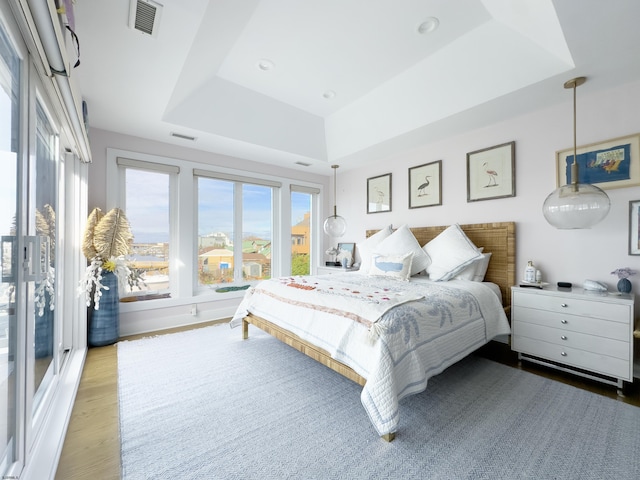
<point>30,305</point>
<point>10,288</point>
<point>41,251</point>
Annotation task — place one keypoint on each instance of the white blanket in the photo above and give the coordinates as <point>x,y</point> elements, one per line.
<point>418,339</point>
<point>361,303</point>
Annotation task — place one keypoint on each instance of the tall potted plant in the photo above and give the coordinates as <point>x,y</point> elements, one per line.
<point>107,239</point>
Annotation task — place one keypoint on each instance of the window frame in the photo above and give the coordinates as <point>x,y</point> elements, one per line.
<point>183,221</point>
<point>238,182</point>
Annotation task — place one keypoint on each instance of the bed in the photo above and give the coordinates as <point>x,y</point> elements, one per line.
<point>391,347</point>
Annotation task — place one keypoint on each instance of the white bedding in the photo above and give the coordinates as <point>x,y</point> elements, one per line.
<point>410,343</point>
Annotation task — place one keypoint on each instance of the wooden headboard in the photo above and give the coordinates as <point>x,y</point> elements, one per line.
<point>497,238</point>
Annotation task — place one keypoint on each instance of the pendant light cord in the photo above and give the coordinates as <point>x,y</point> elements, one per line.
<point>335,195</point>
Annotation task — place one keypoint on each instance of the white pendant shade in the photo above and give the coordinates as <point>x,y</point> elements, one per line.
<point>335,225</point>
<point>576,206</point>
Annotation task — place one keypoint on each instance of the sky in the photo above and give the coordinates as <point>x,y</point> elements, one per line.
<point>148,207</point>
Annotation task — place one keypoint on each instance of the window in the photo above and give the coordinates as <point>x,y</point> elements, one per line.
<point>202,230</point>
<point>147,193</point>
<point>301,206</point>
<point>235,228</point>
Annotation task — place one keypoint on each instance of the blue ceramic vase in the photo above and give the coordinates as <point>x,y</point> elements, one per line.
<point>624,285</point>
<point>104,323</point>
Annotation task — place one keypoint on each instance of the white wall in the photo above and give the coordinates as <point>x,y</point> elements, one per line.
<point>562,255</point>
<point>103,139</point>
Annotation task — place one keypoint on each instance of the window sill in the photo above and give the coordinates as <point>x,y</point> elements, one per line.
<point>204,297</point>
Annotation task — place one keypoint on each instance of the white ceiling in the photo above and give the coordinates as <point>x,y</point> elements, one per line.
<point>395,88</point>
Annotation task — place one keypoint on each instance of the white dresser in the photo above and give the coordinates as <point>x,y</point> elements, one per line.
<point>583,332</point>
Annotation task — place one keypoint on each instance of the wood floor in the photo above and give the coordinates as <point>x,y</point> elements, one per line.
<point>92,446</point>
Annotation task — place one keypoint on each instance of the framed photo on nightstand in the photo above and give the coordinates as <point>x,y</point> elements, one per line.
<point>346,250</point>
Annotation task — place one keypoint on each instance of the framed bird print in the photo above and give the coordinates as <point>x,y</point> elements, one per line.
<point>425,185</point>
<point>491,173</point>
<point>379,194</point>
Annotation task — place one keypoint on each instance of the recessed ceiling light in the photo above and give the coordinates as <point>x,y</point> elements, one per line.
<point>428,26</point>
<point>329,94</point>
<point>265,65</point>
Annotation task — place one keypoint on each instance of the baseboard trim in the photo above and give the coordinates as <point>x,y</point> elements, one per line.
<point>43,459</point>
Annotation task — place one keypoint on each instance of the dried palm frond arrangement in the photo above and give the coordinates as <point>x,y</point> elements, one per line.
<point>107,240</point>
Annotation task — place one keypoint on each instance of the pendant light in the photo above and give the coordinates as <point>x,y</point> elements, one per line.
<point>335,225</point>
<point>576,205</point>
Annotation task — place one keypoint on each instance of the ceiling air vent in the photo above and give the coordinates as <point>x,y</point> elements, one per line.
<point>144,16</point>
<point>182,136</point>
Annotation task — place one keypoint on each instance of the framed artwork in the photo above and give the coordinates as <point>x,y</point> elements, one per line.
<point>346,250</point>
<point>611,164</point>
<point>634,227</point>
<point>425,185</point>
<point>379,194</point>
<point>491,173</point>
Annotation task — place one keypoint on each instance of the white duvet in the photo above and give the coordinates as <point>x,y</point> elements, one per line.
<point>397,354</point>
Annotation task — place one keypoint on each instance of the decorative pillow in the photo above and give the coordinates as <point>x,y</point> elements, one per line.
<point>481,267</point>
<point>403,241</point>
<point>392,265</point>
<point>476,271</point>
<point>366,248</point>
<point>470,270</point>
<point>450,252</point>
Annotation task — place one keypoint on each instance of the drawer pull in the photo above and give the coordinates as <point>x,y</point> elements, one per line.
<point>564,354</point>
<point>564,305</point>
<point>563,337</point>
<point>563,321</point>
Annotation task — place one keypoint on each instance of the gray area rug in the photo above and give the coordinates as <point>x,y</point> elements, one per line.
<point>205,404</point>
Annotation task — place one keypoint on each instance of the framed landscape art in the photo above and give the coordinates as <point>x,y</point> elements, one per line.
<point>610,164</point>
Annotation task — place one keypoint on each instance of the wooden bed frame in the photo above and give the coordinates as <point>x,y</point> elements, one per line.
<point>497,238</point>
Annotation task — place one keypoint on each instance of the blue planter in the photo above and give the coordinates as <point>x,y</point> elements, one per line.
<point>624,285</point>
<point>104,323</point>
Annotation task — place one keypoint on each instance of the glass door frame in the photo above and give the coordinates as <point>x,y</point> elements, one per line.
<point>36,414</point>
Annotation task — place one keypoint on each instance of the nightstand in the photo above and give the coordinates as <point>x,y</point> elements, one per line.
<point>577,331</point>
<point>323,270</point>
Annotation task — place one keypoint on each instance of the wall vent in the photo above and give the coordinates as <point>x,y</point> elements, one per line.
<point>144,16</point>
<point>182,136</point>
<point>304,164</point>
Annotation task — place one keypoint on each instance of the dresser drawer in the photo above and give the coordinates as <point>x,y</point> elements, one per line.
<point>591,343</point>
<point>611,366</point>
<point>596,308</point>
<point>572,323</point>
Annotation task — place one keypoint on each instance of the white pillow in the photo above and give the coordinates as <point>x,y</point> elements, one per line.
<point>481,267</point>
<point>392,265</point>
<point>366,248</point>
<point>470,270</point>
<point>450,252</point>
<point>476,271</point>
<point>403,241</point>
